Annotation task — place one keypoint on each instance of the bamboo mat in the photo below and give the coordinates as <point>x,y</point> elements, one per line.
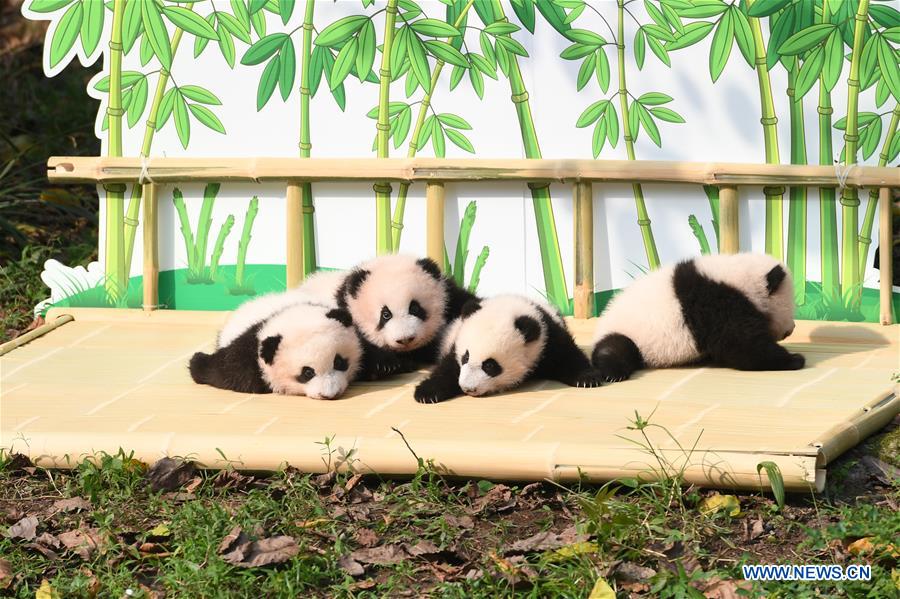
<point>118,378</point>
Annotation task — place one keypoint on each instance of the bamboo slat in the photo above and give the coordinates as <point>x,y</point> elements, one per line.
<point>434,216</point>
<point>294,237</point>
<point>79,169</point>
<point>729,229</point>
<point>151,247</point>
<point>886,254</point>
<point>104,395</point>
<point>582,194</point>
<point>50,324</point>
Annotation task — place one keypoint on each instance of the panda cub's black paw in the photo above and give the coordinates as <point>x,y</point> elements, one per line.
<point>613,373</point>
<point>796,362</point>
<point>388,366</point>
<point>429,391</point>
<point>589,379</point>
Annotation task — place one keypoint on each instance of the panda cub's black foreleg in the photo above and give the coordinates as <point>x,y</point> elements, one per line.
<point>757,352</point>
<point>443,382</point>
<point>379,362</point>
<point>563,360</point>
<point>617,357</point>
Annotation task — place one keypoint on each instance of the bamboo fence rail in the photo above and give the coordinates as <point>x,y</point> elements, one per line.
<point>435,172</point>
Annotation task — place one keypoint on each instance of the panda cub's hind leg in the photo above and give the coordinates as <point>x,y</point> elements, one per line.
<point>616,357</point>
<point>756,353</point>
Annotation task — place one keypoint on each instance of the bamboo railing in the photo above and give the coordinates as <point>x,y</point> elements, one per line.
<point>435,172</point>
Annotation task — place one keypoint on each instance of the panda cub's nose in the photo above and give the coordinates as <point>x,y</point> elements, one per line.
<point>405,340</point>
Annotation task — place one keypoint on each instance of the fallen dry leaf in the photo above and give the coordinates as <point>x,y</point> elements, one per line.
<point>365,537</point>
<point>716,503</point>
<point>352,482</point>
<point>631,572</point>
<point>6,574</point>
<point>498,499</point>
<point>385,554</point>
<point>229,479</point>
<point>362,585</point>
<point>48,540</point>
<point>230,539</point>
<point>273,550</point>
<point>93,585</point>
<point>18,462</point>
<point>169,474</point>
<point>351,566</point>
<point>865,546</point>
<point>311,523</point>
<point>153,550</point>
<point>45,591</point>
<point>460,522</point>
<point>25,529</point>
<point>73,504</point>
<point>754,530</point>
<point>568,551</point>
<point>83,541</point>
<point>160,530</point>
<point>602,590</point>
<point>544,541</point>
<point>422,548</point>
<point>324,480</point>
<point>634,588</point>
<point>716,588</point>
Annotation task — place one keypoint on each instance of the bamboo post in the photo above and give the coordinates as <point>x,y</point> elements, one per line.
<point>730,242</point>
<point>582,194</point>
<point>434,216</point>
<point>151,246</point>
<point>294,237</point>
<point>886,254</point>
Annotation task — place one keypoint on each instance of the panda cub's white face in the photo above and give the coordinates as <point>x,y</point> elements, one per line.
<point>302,351</point>
<point>498,345</point>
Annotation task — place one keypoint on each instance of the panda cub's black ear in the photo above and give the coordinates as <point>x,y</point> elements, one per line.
<point>268,347</point>
<point>774,279</point>
<point>430,266</point>
<point>341,315</point>
<point>352,284</point>
<point>470,307</point>
<point>529,328</point>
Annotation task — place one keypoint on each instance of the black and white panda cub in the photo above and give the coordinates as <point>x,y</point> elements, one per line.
<point>499,343</point>
<point>400,304</point>
<point>283,343</point>
<point>726,310</point>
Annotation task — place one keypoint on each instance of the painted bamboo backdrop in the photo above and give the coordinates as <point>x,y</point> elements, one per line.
<point>800,81</point>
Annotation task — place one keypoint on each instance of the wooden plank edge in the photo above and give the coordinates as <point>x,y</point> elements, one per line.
<point>53,322</point>
<point>873,416</point>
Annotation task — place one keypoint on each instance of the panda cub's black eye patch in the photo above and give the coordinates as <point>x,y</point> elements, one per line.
<point>416,309</point>
<point>306,375</point>
<point>465,357</point>
<point>386,315</point>
<point>341,363</point>
<point>491,367</point>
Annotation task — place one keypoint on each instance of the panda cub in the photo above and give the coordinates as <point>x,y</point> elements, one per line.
<point>727,310</point>
<point>501,342</point>
<point>283,343</point>
<point>400,304</point>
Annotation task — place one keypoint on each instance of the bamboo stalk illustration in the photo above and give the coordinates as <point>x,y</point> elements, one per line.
<point>551,259</point>
<point>134,202</point>
<point>831,284</point>
<point>397,223</point>
<point>383,189</point>
<point>796,257</point>
<point>643,216</point>
<point>865,232</point>
<point>116,275</point>
<point>712,194</point>
<point>244,242</point>
<point>849,195</point>
<point>219,247</point>
<point>309,224</point>
<point>774,195</point>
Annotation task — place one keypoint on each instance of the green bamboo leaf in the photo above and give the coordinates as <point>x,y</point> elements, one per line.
<point>437,139</point>
<point>693,33</point>
<point>834,61</point>
<point>721,46</point>
<point>659,33</point>
<point>91,25</point>
<point>612,129</point>
<point>869,141</point>
<point>673,19</point>
<point>165,108</point>
<point>659,50</point>
<point>488,50</point>
<point>704,9</point>
<point>586,71</point>
<point>634,122</point>
<point>655,14</point>
<point>189,21</point>
<point>892,34</point>
<point>340,96</point>
<point>365,57</point>
<point>419,61</point>
<point>129,78</point>
<point>239,9</point>
<point>199,94</point>
<point>182,121</point>
<point>483,65</point>
<point>805,39</point>
<point>776,481</point>
<point>131,24</point>
<point>649,125</point>
<point>666,114</point>
<point>452,120</point>
<point>146,50</point>
<point>602,70</point>
<point>412,84</point>
<point>263,49</point>
<point>512,46</point>
<point>890,72</point>
<point>810,72</point>
<point>285,10</point>
<point>425,132</point>
<point>764,8</point>
<point>44,6</point>
<point>138,101</point>
<point>583,36</point>
<point>781,31</point>
<point>316,64</point>
<point>477,82</point>
<point>574,14</point>
<point>126,98</point>
<point>267,82</point>
<point>886,16</point>
<point>340,31</point>
<point>501,28</point>
<point>288,68</point>
<point>894,150</point>
<point>576,51</point>
<point>460,140</point>
<point>344,62</point>
<point>399,51</point>
<point>404,119</point>
<point>258,21</point>
<point>862,120</point>
<point>592,113</point>
<point>640,48</point>
<point>868,61</point>
<point>200,43</point>
<point>654,99</point>
<point>226,46</point>
<point>156,34</point>
<point>257,5</point>
<point>456,76</point>
<point>882,93</point>
<point>65,34</point>
<point>434,28</point>
<point>599,138</point>
<point>234,26</point>
<point>446,52</point>
<point>503,59</point>
<point>206,116</point>
<point>743,35</point>
<point>524,10</point>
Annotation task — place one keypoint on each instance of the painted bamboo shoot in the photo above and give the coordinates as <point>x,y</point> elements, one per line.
<point>582,194</point>
<point>728,215</point>
<point>434,215</point>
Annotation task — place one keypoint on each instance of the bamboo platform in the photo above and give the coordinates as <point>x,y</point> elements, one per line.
<point>104,379</point>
